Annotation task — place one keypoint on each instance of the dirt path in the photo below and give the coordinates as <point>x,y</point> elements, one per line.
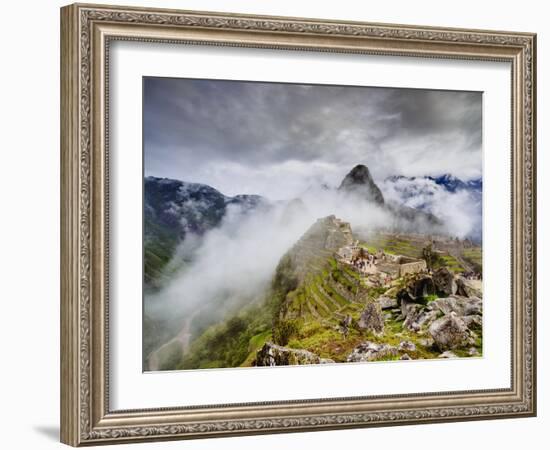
<point>183,337</point>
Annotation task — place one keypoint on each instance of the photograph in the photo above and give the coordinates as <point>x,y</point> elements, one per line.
<point>287,220</point>
<point>289,224</point>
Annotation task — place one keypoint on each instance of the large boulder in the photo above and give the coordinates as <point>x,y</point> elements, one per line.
<point>275,355</point>
<point>417,289</point>
<point>473,322</point>
<point>407,346</point>
<point>448,354</point>
<point>444,281</point>
<point>418,316</point>
<point>371,318</point>
<point>371,351</point>
<point>462,306</point>
<point>387,302</point>
<point>450,332</point>
<point>469,288</point>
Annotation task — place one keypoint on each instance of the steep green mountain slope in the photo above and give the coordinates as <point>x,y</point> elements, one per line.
<point>326,309</point>
<point>173,210</point>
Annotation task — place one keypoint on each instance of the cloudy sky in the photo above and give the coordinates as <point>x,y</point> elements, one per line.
<point>278,140</point>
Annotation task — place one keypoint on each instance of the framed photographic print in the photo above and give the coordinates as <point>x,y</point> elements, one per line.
<point>275,224</point>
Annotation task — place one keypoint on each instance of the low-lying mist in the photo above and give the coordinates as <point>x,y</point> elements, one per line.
<point>459,210</point>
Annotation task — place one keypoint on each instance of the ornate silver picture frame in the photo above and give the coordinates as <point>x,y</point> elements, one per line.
<point>87,33</point>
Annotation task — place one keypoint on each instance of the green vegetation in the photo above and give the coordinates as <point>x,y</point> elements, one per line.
<point>229,343</point>
<point>157,252</point>
<point>474,256</point>
<point>318,311</point>
<point>451,263</point>
<point>394,245</point>
<point>431,298</point>
<point>433,260</point>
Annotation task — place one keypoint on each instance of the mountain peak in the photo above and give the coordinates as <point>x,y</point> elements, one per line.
<point>359,181</point>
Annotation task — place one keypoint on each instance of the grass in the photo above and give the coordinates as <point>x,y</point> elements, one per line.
<point>473,254</point>
<point>451,263</point>
<point>351,273</point>
<point>306,314</point>
<point>254,344</point>
<point>393,245</point>
<point>431,298</point>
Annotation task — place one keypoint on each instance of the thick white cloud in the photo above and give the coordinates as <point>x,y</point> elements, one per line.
<point>274,139</point>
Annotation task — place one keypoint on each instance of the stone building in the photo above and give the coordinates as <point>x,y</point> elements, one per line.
<point>380,262</point>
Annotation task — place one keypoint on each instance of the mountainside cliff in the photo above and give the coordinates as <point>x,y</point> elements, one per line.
<point>176,209</point>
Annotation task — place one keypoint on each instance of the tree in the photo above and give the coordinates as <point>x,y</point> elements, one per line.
<point>430,256</point>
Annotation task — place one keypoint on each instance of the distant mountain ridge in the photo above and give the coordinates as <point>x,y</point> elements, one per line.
<point>360,183</point>
<point>439,195</point>
<point>174,209</point>
<point>447,181</point>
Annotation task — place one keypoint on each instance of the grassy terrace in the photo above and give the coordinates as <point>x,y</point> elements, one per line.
<point>393,246</point>
<point>452,264</point>
<point>474,255</point>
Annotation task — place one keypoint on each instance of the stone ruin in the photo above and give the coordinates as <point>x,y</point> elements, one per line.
<point>367,263</point>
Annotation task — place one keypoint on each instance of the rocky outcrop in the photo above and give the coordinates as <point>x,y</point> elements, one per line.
<point>417,289</point>
<point>407,346</point>
<point>416,316</point>
<point>386,302</point>
<point>462,306</point>
<point>450,332</point>
<point>444,281</point>
<point>469,288</point>
<point>473,322</point>
<point>275,355</point>
<point>371,351</point>
<point>371,318</point>
<point>359,182</point>
<point>319,242</point>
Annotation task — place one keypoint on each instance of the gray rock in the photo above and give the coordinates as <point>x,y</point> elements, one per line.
<point>462,306</point>
<point>473,322</point>
<point>426,342</point>
<point>407,346</point>
<point>444,281</point>
<point>447,354</point>
<point>387,302</point>
<point>275,355</point>
<point>417,289</point>
<point>469,288</point>
<point>418,316</point>
<point>371,351</point>
<point>371,318</point>
<point>449,332</point>
<point>405,357</point>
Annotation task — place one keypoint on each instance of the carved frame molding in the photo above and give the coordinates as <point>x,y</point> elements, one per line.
<point>86,32</point>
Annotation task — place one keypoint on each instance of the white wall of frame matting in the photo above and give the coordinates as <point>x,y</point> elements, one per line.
<point>29,229</point>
